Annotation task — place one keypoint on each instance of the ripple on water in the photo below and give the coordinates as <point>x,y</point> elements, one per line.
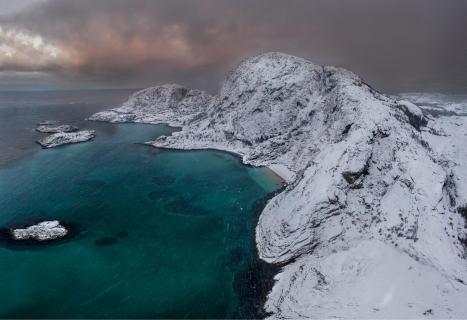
<point>162,195</point>
<point>90,183</point>
<point>106,241</point>
<point>175,203</point>
<point>163,180</point>
<point>180,206</point>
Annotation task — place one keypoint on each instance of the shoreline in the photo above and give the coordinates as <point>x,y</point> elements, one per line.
<point>256,282</point>
<point>261,275</point>
<point>280,171</point>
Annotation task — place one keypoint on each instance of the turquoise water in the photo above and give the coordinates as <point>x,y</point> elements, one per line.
<point>160,234</point>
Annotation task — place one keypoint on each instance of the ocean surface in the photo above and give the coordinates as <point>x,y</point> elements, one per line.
<point>156,234</point>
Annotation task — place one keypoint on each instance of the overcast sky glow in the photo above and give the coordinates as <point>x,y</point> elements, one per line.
<point>397,45</point>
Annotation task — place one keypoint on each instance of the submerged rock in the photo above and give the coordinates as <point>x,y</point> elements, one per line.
<point>122,234</point>
<point>43,231</point>
<point>56,129</point>
<point>62,138</point>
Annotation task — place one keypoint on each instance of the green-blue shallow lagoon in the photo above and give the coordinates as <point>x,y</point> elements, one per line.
<point>158,234</point>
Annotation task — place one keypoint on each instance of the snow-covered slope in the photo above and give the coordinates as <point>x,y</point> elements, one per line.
<point>63,138</point>
<point>171,104</point>
<point>438,104</point>
<point>370,224</point>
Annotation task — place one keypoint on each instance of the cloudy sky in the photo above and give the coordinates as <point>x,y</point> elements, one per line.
<point>397,45</point>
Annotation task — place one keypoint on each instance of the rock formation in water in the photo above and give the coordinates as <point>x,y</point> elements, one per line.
<point>62,138</point>
<point>372,222</point>
<point>56,129</point>
<point>43,231</point>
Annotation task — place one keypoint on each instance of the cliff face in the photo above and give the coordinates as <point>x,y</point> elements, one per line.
<point>370,223</point>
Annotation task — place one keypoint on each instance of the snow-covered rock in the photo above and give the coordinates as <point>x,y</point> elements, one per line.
<point>171,104</point>
<point>446,134</point>
<point>438,104</point>
<point>43,231</point>
<point>62,138</point>
<point>369,224</point>
<point>56,129</point>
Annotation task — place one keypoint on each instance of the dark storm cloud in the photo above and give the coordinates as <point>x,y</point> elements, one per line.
<point>397,45</point>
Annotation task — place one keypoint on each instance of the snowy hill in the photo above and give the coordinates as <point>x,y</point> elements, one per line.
<point>171,104</point>
<point>371,223</point>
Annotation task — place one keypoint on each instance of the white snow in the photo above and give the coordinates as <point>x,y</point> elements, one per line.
<point>176,105</point>
<point>412,108</point>
<point>46,230</point>
<point>282,171</point>
<point>369,279</point>
<point>62,138</point>
<point>369,224</point>
<point>438,103</point>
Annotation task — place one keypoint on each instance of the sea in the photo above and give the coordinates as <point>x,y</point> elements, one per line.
<point>154,233</point>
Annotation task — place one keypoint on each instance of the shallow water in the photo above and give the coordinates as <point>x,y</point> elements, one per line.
<point>161,234</point>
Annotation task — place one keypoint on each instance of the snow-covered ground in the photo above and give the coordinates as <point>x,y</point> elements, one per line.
<point>62,138</point>
<point>43,231</point>
<point>176,106</point>
<point>371,223</point>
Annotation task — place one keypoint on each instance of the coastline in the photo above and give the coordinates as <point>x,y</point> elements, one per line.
<point>255,283</point>
<point>282,172</point>
<point>356,183</point>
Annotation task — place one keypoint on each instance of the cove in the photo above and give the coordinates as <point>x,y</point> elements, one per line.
<point>160,234</point>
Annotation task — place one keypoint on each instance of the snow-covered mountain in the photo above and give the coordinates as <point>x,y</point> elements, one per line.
<point>171,104</point>
<point>372,222</point>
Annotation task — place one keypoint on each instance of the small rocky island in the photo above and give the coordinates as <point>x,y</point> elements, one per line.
<point>62,134</point>
<point>43,231</point>
<point>62,138</point>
